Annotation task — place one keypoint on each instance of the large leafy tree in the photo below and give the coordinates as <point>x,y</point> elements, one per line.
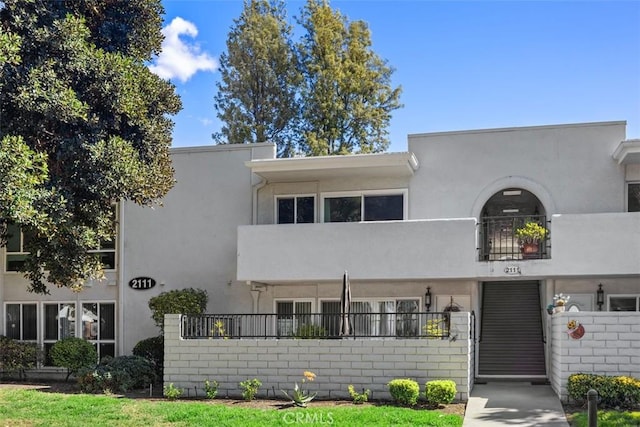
<point>347,95</point>
<point>83,124</point>
<point>256,96</point>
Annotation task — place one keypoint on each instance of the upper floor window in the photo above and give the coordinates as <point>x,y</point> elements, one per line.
<point>296,209</point>
<point>107,248</point>
<point>364,207</point>
<point>633,197</point>
<point>15,249</point>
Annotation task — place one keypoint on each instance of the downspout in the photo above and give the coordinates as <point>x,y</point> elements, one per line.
<point>120,257</point>
<point>255,188</point>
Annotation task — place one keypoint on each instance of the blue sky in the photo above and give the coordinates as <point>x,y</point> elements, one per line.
<point>461,65</point>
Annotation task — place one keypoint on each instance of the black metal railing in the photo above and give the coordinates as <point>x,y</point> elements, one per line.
<point>316,325</point>
<point>499,242</point>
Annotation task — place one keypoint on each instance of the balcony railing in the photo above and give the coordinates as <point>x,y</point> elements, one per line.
<point>498,239</point>
<point>315,325</point>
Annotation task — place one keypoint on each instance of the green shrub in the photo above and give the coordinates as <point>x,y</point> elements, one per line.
<point>404,391</point>
<point>152,349</point>
<point>117,375</point>
<point>619,391</point>
<point>179,301</point>
<point>358,398</point>
<point>211,389</point>
<point>172,392</point>
<point>250,388</point>
<point>439,392</point>
<point>310,331</point>
<point>17,356</point>
<point>74,354</point>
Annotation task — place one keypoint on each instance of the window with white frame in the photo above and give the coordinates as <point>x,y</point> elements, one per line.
<point>296,209</point>
<point>633,197</point>
<point>95,322</point>
<point>21,321</point>
<point>386,317</point>
<point>99,326</point>
<point>368,206</point>
<point>292,315</point>
<point>16,253</point>
<point>107,248</point>
<point>624,302</point>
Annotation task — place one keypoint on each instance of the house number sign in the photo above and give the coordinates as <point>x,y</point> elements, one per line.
<point>142,283</point>
<point>512,269</point>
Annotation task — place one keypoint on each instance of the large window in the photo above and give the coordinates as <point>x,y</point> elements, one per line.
<point>293,317</point>
<point>21,322</point>
<point>364,207</point>
<point>386,317</point>
<point>16,253</point>
<point>624,303</point>
<point>59,323</point>
<point>633,197</point>
<point>296,209</point>
<point>99,327</point>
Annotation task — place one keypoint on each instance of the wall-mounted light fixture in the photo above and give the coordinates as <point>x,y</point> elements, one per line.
<point>427,298</point>
<point>600,297</point>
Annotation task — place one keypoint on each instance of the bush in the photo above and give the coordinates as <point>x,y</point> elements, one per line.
<point>117,375</point>
<point>211,389</point>
<point>620,391</point>
<point>179,301</point>
<point>172,392</point>
<point>404,391</point>
<point>440,392</point>
<point>310,331</point>
<point>152,349</point>
<point>358,398</point>
<point>250,388</point>
<point>17,356</point>
<point>73,354</point>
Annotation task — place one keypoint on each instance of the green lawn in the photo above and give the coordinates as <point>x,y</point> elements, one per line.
<point>607,419</point>
<point>36,408</point>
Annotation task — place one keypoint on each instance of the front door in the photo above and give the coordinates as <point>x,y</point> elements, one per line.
<point>511,341</point>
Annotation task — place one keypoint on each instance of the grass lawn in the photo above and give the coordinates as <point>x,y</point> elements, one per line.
<point>37,408</point>
<point>606,419</point>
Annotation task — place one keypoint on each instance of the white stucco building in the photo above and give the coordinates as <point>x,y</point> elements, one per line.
<point>267,235</point>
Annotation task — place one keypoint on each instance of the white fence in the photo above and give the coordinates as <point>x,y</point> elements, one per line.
<point>367,363</point>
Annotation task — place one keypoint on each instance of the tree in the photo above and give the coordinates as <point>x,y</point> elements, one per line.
<point>256,96</point>
<point>83,124</point>
<point>179,301</point>
<point>347,94</point>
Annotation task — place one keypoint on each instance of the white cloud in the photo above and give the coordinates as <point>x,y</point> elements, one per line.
<point>205,121</point>
<point>180,58</point>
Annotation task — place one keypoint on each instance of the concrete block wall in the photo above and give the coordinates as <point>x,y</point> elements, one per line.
<point>610,346</point>
<point>279,363</point>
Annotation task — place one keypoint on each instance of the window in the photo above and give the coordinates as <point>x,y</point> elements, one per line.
<point>107,248</point>
<point>364,207</point>
<point>385,317</point>
<point>296,209</point>
<point>633,197</point>
<point>16,253</point>
<point>624,303</point>
<point>21,322</point>
<point>59,323</point>
<point>292,315</point>
<point>98,326</point>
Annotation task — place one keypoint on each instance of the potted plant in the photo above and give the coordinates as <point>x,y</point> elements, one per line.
<point>529,236</point>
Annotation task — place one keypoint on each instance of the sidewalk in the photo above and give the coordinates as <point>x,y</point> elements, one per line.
<point>505,403</point>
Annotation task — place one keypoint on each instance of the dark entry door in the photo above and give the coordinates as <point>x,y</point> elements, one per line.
<point>511,339</point>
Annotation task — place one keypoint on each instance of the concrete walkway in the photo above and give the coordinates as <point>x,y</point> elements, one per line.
<point>513,404</point>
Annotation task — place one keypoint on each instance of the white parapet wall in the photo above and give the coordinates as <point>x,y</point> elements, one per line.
<point>610,346</point>
<point>279,363</point>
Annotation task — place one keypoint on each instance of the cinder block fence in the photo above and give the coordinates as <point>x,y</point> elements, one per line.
<point>367,363</point>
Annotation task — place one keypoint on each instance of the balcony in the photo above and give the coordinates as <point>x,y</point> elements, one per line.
<point>499,242</point>
<point>388,250</point>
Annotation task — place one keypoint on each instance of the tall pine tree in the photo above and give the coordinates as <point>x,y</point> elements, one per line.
<point>347,93</point>
<point>83,124</point>
<point>256,97</point>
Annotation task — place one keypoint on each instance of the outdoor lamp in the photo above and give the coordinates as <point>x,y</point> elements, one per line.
<point>427,298</point>
<point>600,297</point>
